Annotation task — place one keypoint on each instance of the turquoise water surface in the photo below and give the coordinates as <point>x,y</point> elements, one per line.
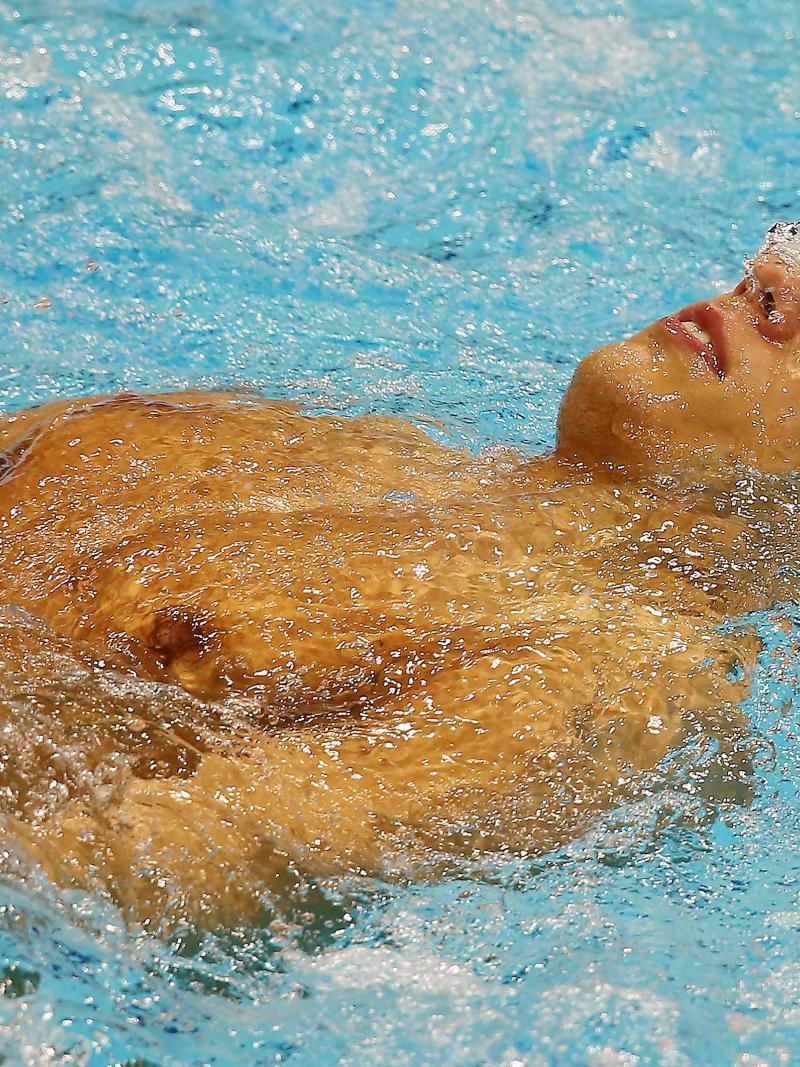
<point>428,208</point>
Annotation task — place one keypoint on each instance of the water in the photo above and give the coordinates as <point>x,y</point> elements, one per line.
<point>431,209</point>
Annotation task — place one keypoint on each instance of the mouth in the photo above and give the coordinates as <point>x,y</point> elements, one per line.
<point>701,329</point>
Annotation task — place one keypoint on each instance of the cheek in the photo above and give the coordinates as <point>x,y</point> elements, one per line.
<point>755,373</point>
<point>791,368</point>
<point>755,362</point>
<point>763,366</point>
<point>782,410</point>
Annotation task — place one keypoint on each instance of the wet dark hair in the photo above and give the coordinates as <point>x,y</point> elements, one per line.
<point>783,238</point>
<point>791,229</point>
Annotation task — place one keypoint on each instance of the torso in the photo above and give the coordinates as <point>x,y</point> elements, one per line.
<point>412,638</point>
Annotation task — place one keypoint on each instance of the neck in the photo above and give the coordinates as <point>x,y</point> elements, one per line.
<point>730,535</point>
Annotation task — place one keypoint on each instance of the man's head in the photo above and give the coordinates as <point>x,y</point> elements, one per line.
<point>719,381</point>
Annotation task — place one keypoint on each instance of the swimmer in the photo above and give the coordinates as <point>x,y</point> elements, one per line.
<point>241,644</point>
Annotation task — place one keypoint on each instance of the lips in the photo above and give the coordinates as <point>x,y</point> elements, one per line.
<point>701,329</point>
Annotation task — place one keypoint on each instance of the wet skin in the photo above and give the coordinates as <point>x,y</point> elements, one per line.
<point>661,398</point>
<point>243,641</point>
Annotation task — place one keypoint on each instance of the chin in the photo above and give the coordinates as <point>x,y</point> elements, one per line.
<point>604,418</point>
<point>624,410</point>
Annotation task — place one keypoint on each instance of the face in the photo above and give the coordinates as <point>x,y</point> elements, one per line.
<point>717,382</point>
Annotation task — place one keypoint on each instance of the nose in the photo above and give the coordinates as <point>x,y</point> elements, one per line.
<point>773,292</point>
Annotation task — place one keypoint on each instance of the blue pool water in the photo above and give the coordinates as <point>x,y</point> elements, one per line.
<point>431,208</point>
